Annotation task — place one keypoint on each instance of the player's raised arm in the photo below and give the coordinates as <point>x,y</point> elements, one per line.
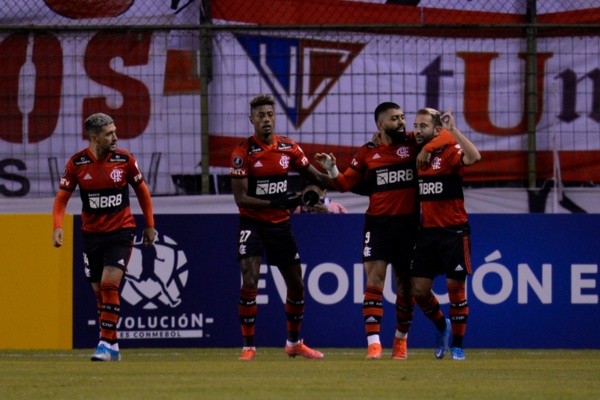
<point>471,154</point>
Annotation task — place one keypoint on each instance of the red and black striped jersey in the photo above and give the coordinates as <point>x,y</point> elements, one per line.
<point>389,173</point>
<point>266,167</point>
<point>440,189</point>
<point>103,188</point>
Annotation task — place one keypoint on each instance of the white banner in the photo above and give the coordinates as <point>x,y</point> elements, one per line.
<point>482,81</point>
<point>65,77</point>
<point>513,7</point>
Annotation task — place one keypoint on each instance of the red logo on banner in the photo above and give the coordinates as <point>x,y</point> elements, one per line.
<point>90,8</point>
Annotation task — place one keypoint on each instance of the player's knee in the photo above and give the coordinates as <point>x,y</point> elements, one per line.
<point>419,292</point>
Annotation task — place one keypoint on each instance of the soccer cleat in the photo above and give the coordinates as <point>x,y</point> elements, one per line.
<point>302,350</point>
<point>441,341</point>
<point>457,353</point>
<point>374,351</point>
<point>103,353</point>
<point>248,354</point>
<point>399,352</point>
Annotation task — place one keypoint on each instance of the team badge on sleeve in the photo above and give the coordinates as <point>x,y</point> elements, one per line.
<point>237,161</point>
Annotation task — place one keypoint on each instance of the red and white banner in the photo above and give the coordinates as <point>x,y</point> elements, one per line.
<point>100,12</point>
<point>328,85</point>
<point>512,7</point>
<point>50,82</point>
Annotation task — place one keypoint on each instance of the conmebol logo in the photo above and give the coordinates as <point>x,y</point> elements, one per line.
<point>156,275</point>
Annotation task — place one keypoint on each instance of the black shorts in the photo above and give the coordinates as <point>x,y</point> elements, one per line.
<point>442,251</point>
<point>112,249</point>
<point>390,238</point>
<point>276,241</point>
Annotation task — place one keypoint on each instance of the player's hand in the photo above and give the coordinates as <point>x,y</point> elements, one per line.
<point>328,162</point>
<point>148,237</point>
<point>448,120</point>
<point>287,201</point>
<point>423,159</point>
<point>58,237</point>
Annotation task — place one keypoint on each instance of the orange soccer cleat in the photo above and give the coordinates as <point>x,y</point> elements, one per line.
<point>399,351</point>
<point>248,354</point>
<point>374,351</point>
<point>303,350</point>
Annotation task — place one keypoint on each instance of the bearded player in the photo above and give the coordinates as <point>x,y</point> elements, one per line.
<point>387,168</point>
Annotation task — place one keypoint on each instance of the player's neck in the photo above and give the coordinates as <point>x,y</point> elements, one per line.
<point>385,139</point>
<point>266,140</point>
<point>97,152</point>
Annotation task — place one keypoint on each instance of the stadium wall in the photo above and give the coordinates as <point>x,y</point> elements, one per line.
<point>535,285</point>
<point>533,274</point>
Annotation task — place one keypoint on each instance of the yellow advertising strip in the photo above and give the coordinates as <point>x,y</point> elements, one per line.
<point>36,283</point>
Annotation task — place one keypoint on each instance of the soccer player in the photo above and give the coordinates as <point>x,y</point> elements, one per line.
<point>385,169</point>
<point>259,172</point>
<point>104,173</point>
<point>443,243</point>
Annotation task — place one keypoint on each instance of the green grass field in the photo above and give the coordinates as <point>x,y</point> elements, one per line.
<point>343,374</point>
